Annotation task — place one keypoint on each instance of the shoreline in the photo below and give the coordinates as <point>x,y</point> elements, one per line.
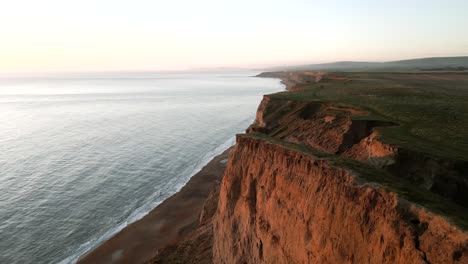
<point>90,255</point>
<point>92,245</point>
<point>164,225</point>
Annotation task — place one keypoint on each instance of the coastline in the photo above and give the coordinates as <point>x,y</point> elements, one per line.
<point>120,239</point>
<point>207,232</point>
<point>192,239</point>
<point>164,225</point>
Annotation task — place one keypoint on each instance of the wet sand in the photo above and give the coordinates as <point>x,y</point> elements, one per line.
<point>168,223</point>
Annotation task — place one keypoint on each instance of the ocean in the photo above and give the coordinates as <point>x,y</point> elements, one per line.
<point>83,155</point>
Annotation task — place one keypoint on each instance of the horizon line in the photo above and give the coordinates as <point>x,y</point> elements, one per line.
<point>254,67</point>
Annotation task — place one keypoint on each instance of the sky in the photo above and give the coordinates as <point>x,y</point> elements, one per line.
<point>101,35</point>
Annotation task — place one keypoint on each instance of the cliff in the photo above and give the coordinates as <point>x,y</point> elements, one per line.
<point>345,168</point>
<point>281,205</point>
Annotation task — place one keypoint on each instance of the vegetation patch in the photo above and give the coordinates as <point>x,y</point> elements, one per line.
<point>431,107</point>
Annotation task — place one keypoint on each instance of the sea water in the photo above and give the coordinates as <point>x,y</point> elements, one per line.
<point>83,155</point>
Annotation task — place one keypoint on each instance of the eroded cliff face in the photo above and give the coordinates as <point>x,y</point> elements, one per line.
<point>283,204</point>
<point>279,205</point>
<point>292,80</point>
<point>322,126</point>
<point>346,132</point>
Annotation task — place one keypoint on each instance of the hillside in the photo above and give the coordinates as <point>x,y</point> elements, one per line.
<point>435,63</point>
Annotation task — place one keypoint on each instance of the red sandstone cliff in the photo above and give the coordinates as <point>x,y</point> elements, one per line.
<point>280,203</point>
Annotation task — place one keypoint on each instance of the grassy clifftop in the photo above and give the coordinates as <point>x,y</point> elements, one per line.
<point>431,108</point>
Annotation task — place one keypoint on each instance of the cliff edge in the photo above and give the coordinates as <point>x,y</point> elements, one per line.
<point>344,168</point>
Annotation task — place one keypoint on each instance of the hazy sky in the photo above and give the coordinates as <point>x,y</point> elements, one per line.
<point>51,35</point>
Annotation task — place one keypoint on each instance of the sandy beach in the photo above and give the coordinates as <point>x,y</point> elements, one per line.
<point>168,223</point>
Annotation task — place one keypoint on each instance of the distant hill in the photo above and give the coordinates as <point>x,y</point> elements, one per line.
<point>435,63</point>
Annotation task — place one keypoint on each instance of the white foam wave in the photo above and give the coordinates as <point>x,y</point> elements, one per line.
<point>147,207</point>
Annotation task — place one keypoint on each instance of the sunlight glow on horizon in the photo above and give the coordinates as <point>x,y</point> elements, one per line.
<point>54,35</point>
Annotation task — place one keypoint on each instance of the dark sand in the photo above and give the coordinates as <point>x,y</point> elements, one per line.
<point>168,223</point>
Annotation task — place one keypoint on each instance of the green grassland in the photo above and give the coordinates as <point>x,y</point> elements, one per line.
<point>431,108</point>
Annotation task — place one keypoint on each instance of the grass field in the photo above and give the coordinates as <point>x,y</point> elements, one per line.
<point>431,108</point>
